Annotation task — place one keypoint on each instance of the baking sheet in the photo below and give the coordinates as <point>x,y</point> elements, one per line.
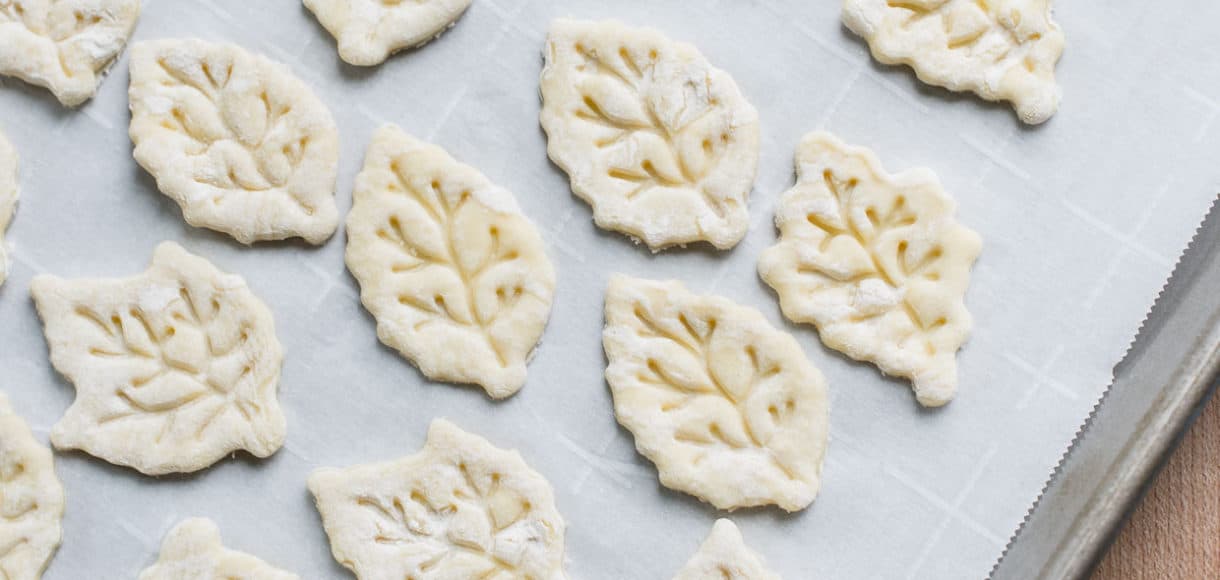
<point>1159,388</point>
<point>1082,220</point>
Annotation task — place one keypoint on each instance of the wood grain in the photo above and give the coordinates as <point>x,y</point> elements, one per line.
<point>1175,531</point>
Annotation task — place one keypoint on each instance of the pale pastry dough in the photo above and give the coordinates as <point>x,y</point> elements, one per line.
<point>174,368</point>
<point>8,196</point>
<point>876,262</point>
<point>725,556</point>
<point>369,31</point>
<point>64,45</point>
<point>728,408</point>
<point>238,141</point>
<point>31,500</point>
<point>460,508</point>
<point>192,551</point>
<point>457,278</point>
<point>659,142</point>
<point>1002,50</point>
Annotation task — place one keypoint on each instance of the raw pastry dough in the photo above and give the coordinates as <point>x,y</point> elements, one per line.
<point>660,143</point>
<point>64,45</point>
<point>8,196</point>
<point>724,556</point>
<point>876,262</point>
<point>1002,50</point>
<point>728,408</point>
<point>460,508</point>
<point>455,275</point>
<point>174,369</point>
<point>238,141</point>
<point>31,500</point>
<point>369,31</point>
<point>192,551</point>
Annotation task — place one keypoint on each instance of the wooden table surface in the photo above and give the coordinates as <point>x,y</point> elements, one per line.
<point>1175,531</point>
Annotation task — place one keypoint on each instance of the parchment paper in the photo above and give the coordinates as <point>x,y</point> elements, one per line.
<point>1082,220</point>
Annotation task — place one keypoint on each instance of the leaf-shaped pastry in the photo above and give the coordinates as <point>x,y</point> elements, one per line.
<point>369,31</point>
<point>728,408</point>
<point>31,500</point>
<point>659,142</point>
<point>238,141</point>
<point>876,262</point>
<point>64,45</point>
<point>455,275</point>
<point>192,551</point>
<point>174,369</point>
<point>1003,50</point>
<point>460,508</point>
<point>725,556</point>
<point>8,196</point>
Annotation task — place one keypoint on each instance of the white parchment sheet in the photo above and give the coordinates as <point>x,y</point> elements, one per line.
<point>1082,221</point>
